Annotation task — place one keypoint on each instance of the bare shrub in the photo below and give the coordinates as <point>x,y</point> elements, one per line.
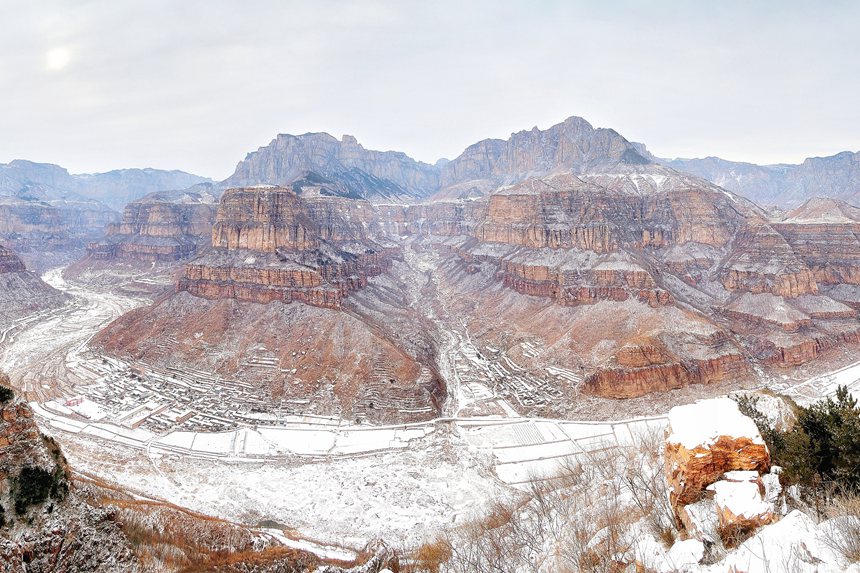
<point>430,556</point>
<point>579,520</point>
<point>645,479</point>
<point>844,513</point>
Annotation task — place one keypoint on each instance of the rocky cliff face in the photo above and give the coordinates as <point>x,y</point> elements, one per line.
<point>373,175</point>
<point>270,244</point>
<point>573,145</point>
<point>837,176</point>
<point>572,216</point>
<point>162,226</point>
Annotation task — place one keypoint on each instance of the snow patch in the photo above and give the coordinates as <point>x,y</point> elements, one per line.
<point>702,423</point>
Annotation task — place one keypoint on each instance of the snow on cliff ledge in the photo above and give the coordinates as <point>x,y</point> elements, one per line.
<point>700,424</point>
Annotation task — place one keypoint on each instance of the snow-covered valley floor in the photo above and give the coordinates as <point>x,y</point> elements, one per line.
<point>330,480</point>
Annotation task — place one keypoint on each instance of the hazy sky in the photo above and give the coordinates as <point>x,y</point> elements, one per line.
<point>195,85</point>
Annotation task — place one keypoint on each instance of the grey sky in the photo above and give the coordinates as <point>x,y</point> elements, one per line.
<point>195,85</point>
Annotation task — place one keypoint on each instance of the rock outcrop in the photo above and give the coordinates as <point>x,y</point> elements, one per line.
<point>625,381</point>
<point>372,175</point>
<point>270,244</point>
<point>704,441</point>
<point>163,226</point>
<point>763,261</point>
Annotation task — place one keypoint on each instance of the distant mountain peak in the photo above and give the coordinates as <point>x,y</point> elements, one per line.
<point>784,185</point>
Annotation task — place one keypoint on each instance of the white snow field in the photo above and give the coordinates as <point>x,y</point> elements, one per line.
<point>337,483</point>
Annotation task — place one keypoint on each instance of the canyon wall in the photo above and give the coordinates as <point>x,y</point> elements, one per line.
<point>270,244</point>
<point>159,227</point>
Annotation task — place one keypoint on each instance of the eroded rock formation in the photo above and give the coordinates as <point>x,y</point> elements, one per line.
<point>270,244</point>
<point>704,441</point>
<point>162,226</point>
<point>571,218</point>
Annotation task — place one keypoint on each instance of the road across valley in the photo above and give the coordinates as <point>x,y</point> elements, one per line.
<point>91,399</point>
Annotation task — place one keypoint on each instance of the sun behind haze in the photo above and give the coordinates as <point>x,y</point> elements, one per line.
<point>195,84</point>
<point>57,58</point>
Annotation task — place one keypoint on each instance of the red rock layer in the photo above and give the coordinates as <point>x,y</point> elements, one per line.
<point>133,250</point>
<point>627,382</point>
<point>763,261</point>
<point>690,471</point>
<point>751,319</point>
<point>800,350</point>
<point>270,244</point>
<point>586,286</point>
<point>831,251</point>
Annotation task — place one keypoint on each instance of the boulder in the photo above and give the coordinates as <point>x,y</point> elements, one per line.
<point>704,441</point>
<point>740,503</point>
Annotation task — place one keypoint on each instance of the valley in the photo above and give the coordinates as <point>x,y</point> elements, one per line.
<point>224,447</point>
<point>363,347</point>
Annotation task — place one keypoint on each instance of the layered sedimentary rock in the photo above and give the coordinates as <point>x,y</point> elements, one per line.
<point>600,237</point>
<point>37,225</point>
<point>763,261</point>
<point>270,244</point>
<point>823,232</point>
<point>160,227</point>
<point>571,222</point>
<point>641,232</point>
<point>704,441</point>
<point>372,175</point>
<point>629,382</point>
